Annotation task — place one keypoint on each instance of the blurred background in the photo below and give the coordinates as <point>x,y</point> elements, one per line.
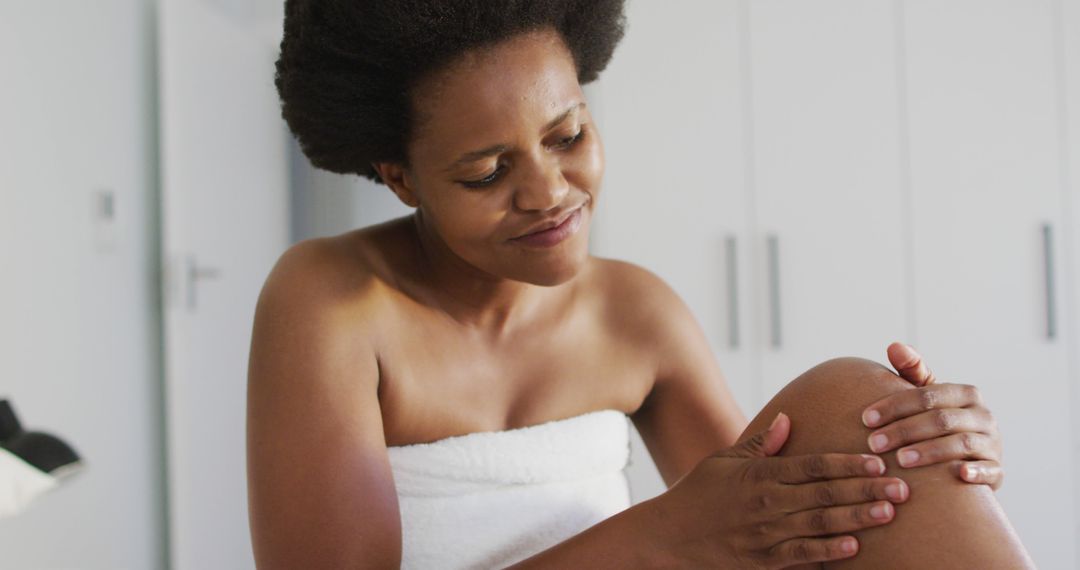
<point>816,178</point>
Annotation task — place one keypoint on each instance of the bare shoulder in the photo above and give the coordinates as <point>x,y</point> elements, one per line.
<point>318,310</point>
<point>349,270</point>
<point>319,269</point>
<point>634,278</point>
<point>689,411</point>
<point>313,375</point>
<point>637,300</point>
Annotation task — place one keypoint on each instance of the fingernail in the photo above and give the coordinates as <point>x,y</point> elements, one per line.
<point>775,420</point>
<point>848,545</point>
<point>907,457</point>
<point>874,465</point>
<point>882,511</point>
<point>878,442</point>
<point>871,418</point>
<point>895,491</point>
<point>971,473</point>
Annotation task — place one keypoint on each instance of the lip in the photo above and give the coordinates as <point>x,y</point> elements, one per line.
<point>553,235</point>
<point>547,225</point>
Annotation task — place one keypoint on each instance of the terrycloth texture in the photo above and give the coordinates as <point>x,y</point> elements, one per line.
<point>489,499</point>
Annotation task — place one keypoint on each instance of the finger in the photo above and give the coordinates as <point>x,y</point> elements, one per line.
<point>979,472</point>
<point>818,467</point>
<point>965,445</point>
<point>848,492</point>
<point>803,550</point>
<point>909,364</point>
<point>910,402</point>
<point>929,425</point>
<point>833,520</point>
<point>764,443</point>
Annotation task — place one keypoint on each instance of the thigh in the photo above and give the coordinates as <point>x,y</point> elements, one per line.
<point>945,523</point>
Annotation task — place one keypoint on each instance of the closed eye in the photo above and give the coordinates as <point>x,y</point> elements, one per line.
<point>564,144</point>
<point>486,181</point>
<point>571,141</point>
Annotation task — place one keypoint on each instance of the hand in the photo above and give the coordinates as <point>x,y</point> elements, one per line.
<point>740,508</point>
<point>936,423</point>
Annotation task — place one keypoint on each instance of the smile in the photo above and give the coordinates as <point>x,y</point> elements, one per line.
<point>555,235</point>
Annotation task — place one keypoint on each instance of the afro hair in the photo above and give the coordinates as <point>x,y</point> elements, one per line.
<point>347,67</point>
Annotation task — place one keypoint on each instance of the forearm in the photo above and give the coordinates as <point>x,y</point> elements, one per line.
<point>625,540</point>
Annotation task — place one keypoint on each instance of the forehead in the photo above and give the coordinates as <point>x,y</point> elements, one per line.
<point>488,96</point>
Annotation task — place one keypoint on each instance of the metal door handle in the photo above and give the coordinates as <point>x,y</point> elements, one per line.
<point>732,265</point>
<point>1051,294</point>
<point>196,273</point>
<point>773,252</point>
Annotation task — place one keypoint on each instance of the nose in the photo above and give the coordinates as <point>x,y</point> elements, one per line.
<point>542,185</point>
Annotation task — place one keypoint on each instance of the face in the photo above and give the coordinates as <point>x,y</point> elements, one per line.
<point>504,146</point>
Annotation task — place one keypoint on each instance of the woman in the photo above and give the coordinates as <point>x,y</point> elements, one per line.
<point>392,363</point>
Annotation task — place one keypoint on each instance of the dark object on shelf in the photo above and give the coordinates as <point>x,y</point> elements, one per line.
<point>43,451</point>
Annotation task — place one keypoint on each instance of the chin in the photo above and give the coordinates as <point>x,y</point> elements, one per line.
<point>556,271</point>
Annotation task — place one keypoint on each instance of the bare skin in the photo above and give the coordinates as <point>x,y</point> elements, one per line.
<point>441,324</point>
<point>503,379</point>
<point>825,404</point>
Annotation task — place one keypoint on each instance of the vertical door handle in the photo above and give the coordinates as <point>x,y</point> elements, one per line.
<point>1051,294</point>
<point>773,252</point>
<point>732,264</point>
<point>196,273</point>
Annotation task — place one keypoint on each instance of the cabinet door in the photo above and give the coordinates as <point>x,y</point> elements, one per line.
<point>669,109</point>
<point>985,157</point>
<point>1070,97</point>
<point>827,178</point>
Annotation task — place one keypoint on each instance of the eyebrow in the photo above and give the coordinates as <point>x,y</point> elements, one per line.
<point>499,148</point>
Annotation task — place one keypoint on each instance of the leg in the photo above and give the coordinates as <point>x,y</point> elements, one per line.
<point>945,522</point>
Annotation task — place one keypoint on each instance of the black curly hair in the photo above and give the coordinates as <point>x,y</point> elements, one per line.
<point>347,67</point>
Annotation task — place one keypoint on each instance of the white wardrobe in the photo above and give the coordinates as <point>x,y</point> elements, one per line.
<point>820,178</point>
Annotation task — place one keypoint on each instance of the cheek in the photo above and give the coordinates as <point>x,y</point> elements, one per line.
<point>588,166</point>
<point>467,218</point>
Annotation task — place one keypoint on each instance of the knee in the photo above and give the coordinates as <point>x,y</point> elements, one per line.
<point>825,405</point>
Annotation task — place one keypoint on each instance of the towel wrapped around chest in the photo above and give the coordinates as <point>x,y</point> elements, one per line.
<point>490,499</point>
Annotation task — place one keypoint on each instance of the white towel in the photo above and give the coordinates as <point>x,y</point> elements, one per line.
<point>490,499</point>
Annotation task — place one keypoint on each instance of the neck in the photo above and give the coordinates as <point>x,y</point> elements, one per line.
<point>479,300</point>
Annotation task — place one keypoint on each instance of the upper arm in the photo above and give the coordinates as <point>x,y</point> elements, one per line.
<point>320,489</point>
<point>690,411</point>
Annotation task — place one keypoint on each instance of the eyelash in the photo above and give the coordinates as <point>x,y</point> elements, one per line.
<point>565,144</point>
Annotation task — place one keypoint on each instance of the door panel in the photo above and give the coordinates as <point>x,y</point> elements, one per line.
<point>670,112</point>
<point>985,181</point>
<point>1069,30</point>
<point>224,185</point>
<point>831,243</point>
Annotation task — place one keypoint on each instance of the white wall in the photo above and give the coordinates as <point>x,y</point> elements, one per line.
<point>325,203</point>
<point>79,322</point>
